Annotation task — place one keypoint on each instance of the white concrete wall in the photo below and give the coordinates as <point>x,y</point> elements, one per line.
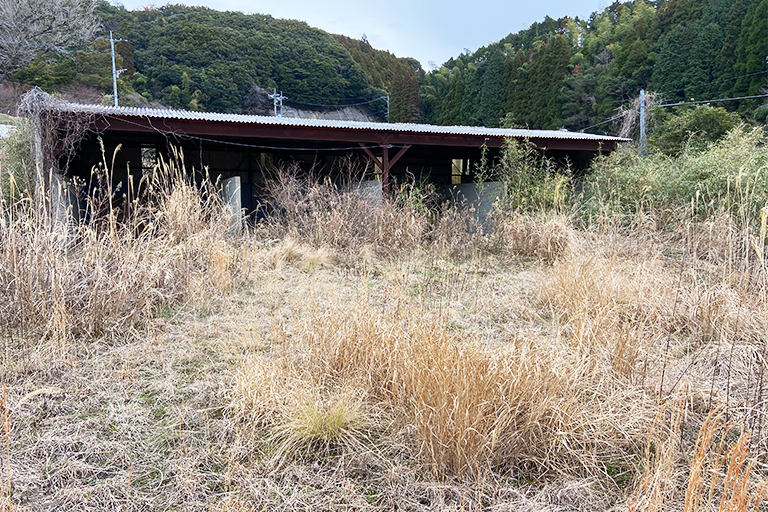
<point>231,191</point>
<point>480,197</point>
<point>65,208</point>
<point>369,189</point>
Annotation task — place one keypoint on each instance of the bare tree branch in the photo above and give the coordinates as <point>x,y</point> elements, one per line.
<point>31,27</point>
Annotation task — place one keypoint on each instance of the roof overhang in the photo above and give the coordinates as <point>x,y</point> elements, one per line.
<point>205,124</point>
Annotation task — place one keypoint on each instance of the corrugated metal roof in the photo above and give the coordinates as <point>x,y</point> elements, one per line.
<point>325,123</point>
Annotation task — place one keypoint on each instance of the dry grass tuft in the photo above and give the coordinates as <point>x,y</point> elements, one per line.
<point>720,472</point>
<point>471,409</point>
<point>614,310</point>
<point>321,213</point>
<point>550,240</point>
<point>104,274</point>
<point>288,251</point>
<point>319,426</point>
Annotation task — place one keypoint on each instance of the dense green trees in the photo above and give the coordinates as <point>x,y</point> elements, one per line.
<point>693,128</point>
<point>397,76</point>
<point>223,55</point>
<point>565,72</point>
<point>198,58</point>
<point>574,73</point>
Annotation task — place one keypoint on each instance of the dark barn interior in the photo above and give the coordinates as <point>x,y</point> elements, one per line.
<point>251,147</point>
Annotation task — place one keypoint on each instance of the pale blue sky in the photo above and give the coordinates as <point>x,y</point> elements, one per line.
<point>428,30</point>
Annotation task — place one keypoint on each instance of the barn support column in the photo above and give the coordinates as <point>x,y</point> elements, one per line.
<point>65,209</point>
<point>385,164</point>
<point>41,183</point>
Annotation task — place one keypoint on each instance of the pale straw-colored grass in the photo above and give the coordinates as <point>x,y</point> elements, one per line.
<point>349,354</point>
<point>719,473</point>
<point>472,409</point>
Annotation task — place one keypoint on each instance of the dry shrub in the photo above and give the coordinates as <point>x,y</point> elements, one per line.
<point>182,212</point>
<point>550,240</point>
<point>614,309</point>
<point>720,312</point>
<point>457,233</point>
<point>620,308</point>
<point>98,283</point>
<point>531,406</point>
<point>717,240</point>
<point>321,213</point>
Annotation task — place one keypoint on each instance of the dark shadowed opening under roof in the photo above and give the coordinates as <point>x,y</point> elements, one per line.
<point>250,147</point>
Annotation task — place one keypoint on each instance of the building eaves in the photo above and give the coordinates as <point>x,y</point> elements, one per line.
<point>140,112</point>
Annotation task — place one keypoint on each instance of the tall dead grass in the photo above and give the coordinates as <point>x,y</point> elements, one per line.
<point>343,217</point>
<point>60,281</point>
<point>532,406</point>
<point>322,213</point>
<point>719,473</point>
<point>391,371</point>
<point>547,239</point>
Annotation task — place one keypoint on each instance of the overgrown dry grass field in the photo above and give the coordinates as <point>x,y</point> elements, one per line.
<point>599,352</point>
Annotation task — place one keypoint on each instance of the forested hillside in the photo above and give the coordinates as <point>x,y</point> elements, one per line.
<point>200,59</point>
<point>563,72</point>
<point>573,73</point>
<point>226,58</point>
<point>399,76</point>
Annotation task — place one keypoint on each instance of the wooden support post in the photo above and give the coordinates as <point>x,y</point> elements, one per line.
<point>385,172</point>
<point>385,164</point>
<point>41,175</point>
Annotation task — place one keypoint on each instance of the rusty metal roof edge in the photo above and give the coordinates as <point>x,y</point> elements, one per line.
<point>326,123</point>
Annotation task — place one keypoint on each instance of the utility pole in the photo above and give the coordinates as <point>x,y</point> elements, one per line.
<point>115,72</point>
<point>277,100</point>
<point>387,106</point>
<point>642,121</point>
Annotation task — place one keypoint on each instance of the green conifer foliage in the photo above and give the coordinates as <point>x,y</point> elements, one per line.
<point>752,49</point>
<point>470,100</point>
<point>451,111</point>
<point>492,89</point>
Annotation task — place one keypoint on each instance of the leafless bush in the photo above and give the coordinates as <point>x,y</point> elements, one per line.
<point>342,217</point>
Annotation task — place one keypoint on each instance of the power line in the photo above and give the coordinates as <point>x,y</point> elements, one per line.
<point>727,79</point>
<point>338,105</point>
<point>713,101</point>
<point>242,96</point>
<point>618,116</point>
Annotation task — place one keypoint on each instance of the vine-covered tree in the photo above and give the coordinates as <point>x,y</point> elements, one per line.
<point>29,28</point>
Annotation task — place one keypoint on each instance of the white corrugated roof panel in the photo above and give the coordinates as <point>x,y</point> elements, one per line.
<point>326,123</point>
